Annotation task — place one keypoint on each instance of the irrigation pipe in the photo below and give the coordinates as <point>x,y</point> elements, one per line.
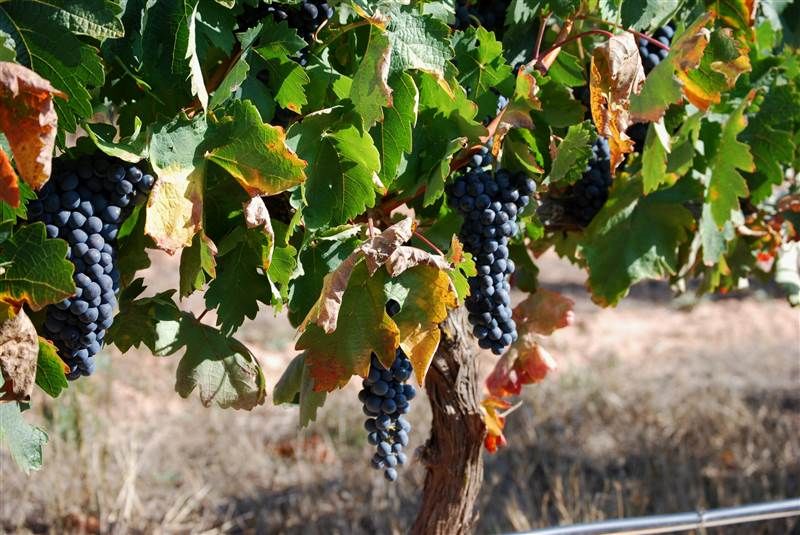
<point>680,521</point>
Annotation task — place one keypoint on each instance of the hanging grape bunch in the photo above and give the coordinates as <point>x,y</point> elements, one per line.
<point>587,196</point>
<point>386,398</point>
<point>84,203</point>
<point>490,205</point>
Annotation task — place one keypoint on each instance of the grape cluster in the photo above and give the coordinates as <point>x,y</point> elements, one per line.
<point>84,203</point>
<point>490,205</point>
<point>386,398</point>
<point>651,54</point>
<point>587,196</point>
<point>489,14</point>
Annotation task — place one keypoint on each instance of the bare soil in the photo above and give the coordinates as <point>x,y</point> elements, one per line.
<point>659,406</point>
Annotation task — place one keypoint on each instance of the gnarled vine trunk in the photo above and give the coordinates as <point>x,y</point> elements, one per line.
<point>452,454</point>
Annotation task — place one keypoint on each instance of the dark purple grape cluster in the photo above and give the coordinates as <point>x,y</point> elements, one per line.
<point>84,203</point>
<point>651,54</point>
<point>490,204</point>
<point>587,196</point>
<point>489,14</point>
<point>387,398</point>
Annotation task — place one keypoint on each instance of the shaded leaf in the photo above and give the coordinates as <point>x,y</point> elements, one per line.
<point>370,91</point>
<point>393,136</point>
<point>25,442</point>
<point>572,154</point>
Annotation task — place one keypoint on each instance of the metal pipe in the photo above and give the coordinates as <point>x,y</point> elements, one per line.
<point>680,521</point>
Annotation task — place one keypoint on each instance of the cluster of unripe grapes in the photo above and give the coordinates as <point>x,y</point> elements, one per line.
<point>490,205</point>
<point>386,397</point>
<point>84,203</point>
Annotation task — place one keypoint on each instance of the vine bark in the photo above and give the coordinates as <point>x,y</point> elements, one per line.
<point>452,454</point>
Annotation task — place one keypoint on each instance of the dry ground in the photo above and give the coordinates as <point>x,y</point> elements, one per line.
<point>656,408</point>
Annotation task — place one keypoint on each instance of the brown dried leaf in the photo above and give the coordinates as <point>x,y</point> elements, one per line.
<point>19,349</point>
<point>28,119</point>
<point>543,312</point>
<point>379,248</point>
<point>616,73</point>
<point>9,183</point>
<point>405,257</point>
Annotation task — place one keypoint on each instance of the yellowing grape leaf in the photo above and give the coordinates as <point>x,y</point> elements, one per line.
<point>28,119</point>
<point>543,312</point>
<point>9,183</point>
<point>724,59</point>
<point>333,357</point>
<point>253,152</point>
<point>175,205</point>
<point>616,74</point>
<point>738,14</point>
<point>430,295</point>
<point>661,88</point>
<point>495,422</point>
<point>19,348</point>
<point>50,369</point>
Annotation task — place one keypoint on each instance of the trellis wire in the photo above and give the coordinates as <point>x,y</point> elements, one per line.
<point>680,521</point>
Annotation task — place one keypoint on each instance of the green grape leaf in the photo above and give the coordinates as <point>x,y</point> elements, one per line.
<point>50,370</point>
<point>237,73</point>
<point>132,245</point>
<point>481,65</point>
<point>644,14</point>
<point>239,285</point>
<point>132,148</point>
<point>286,78</point>
<point>726,184</point>
<point>561,110</point>
<point>393,137</point>
<point>634,238</point>
<point>572,154</point>
<point>219,367</point>
<point>46,43</point>
<point>418,42</point>
<point>654,161</point>
<point>197,264</point>
<point>370,91</point>
<point>526,275</point>
<point>34,269</point>
<point>567,70</point>
<point>198,86</point>
<point>334,357</point>
<point>342,169</point>
<point>463,268</point>
<point>713,239</point>
<point>253,152</point>
<point>24,441</point>
<point>297,386</point>
<point>8,48</point>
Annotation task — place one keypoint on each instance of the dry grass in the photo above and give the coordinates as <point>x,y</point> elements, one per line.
<point>655,410</point>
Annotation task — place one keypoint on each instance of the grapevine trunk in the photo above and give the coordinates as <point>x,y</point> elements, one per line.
<point>452,454</point>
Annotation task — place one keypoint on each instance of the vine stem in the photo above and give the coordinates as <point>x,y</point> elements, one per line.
<point>540,35</point>
<point>203,314</point>
<point>428,242</point>
<point>343,30</point>
<point>649,39</point>
<point>575,37</point>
